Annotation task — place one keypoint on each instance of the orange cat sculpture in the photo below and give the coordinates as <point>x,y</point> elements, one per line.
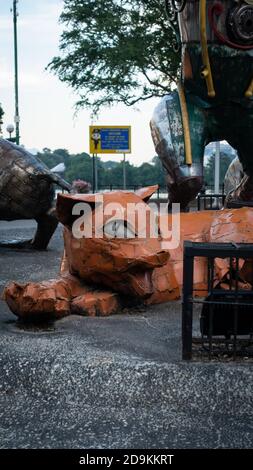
<point>111,265</point>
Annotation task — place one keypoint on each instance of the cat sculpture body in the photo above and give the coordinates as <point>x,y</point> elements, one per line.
<point>125,263</point>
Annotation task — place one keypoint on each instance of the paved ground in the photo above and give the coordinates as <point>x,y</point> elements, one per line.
<point>115,382</point>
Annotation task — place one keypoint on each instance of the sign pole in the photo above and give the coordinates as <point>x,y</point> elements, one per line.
<point>96,174</point>
<point>124,171</point>
<point>93,173</point>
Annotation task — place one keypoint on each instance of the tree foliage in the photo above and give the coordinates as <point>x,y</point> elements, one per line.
<point>110,173</point>
<point>1,112</point>
<point>116,51</point>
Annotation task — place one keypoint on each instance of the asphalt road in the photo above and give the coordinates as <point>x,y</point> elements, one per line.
<point>116,382</point>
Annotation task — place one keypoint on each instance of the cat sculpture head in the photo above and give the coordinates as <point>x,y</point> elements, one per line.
<point>112,239</point>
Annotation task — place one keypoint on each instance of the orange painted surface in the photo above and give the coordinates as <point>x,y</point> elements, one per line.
<point>99,275</point>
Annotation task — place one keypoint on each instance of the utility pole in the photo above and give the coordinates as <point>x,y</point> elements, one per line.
<point>16,118</point>
<point>94,173</point>
<point>124,171</point>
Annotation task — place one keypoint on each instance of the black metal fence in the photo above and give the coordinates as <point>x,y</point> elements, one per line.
<point>210,201</point>
<point>225,328</point>
<point>207,200</point>
<point>204,201</point>
<point>161,193</point>
<point>117,187</point>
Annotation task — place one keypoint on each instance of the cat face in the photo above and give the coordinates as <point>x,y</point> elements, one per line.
<point>114,243</point>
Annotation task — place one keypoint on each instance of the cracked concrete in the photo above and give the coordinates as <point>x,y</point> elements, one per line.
<point>116,382</point>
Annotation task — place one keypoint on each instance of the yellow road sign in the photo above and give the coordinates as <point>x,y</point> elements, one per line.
<point>110,139</point>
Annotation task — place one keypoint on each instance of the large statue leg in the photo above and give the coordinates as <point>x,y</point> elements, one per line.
<point>46,226</point>
<point>57,298</point>
<point>184,181</point>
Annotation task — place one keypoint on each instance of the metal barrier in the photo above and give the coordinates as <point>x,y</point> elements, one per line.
<point>118,187</point>
<point>210,201</point>
<point>227,314</point>
<point>161,193</point>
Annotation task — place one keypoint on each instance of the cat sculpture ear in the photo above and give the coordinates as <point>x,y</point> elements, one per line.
<point>146,193</point>
<point>66,202</point>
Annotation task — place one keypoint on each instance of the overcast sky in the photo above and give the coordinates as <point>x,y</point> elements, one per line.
<point>46,104</point>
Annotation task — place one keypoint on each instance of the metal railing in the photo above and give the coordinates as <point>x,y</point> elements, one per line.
<point>210,201</point>
<point>161,193</point>
<point>226,322</point>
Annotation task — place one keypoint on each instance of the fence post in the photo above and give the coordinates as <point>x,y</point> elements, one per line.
<point>187,302</point>
<point>199,198</point>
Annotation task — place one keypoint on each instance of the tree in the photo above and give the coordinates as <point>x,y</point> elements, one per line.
<point>158,171</point>
<point>1,112</point>
<point>80,166</point>
<point>116,51</point>
<point>53,158</point>
<point>63,154</point>
<point>110,173</point>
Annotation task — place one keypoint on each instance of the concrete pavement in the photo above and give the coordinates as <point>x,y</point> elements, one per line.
<point>116,382</point>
